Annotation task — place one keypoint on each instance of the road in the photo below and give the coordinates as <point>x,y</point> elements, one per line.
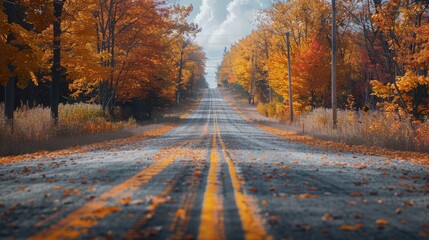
<point>215,176</point>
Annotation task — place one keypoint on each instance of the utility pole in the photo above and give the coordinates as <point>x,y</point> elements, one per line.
<point>334,66</point>
<point>252,78</point>
<point>179,81</point>
<point>290,78</point>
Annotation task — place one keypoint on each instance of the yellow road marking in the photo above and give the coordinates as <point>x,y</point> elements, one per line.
<point>247,207</point>
<point>79,221</point>
<point>212,222</point>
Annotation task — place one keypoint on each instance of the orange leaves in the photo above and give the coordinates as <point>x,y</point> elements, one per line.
<point>355,227</point>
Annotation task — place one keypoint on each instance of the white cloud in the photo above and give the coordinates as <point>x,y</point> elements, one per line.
<point>223,24</point>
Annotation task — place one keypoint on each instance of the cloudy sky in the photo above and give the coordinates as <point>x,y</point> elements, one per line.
<point>223,22</point>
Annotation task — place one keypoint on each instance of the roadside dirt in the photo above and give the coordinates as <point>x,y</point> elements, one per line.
<point>273,126</point>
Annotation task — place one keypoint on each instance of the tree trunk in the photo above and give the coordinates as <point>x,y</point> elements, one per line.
<point>11,9</point>
<point>9,97</point>
<point>56,66</point>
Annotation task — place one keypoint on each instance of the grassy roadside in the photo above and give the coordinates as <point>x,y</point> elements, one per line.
<point>293,133</point>
<point>39,141</point>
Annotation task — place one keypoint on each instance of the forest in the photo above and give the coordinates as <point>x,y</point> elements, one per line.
<point>87,59</point>
<point>382,68</point>
<point>105,52</point>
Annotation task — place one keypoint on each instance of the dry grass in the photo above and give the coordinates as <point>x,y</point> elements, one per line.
<point>366,128</point>
<point>34,125</point>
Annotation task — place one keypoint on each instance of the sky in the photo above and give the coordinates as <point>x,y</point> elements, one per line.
<point>223,23</point>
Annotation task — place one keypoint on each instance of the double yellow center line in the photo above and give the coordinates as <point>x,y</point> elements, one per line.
<point>212,219</point>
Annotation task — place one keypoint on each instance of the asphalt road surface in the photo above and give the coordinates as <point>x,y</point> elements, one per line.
<point>215,176</point>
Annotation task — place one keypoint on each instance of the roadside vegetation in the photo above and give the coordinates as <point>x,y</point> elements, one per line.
<point>32,125</point>
<point>382,70</point>
<point>371,127</point>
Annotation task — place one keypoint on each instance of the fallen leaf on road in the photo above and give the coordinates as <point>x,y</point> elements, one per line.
<point>158,199</point>
<point>136,202</point>
<point>409,203</point>
<point>89,198</point>
<point>356,194</point>
<point>125,200</point>
<point>355,227</point>
<point>327,217</point>
<point>306,196</point>
<point>253,189</point>
<point>102,212</point>
<point>264,203</point>
<point>382,222</point>
<point>303,227</point>
<point>26,170</point>
<point>398,211</point>
<point>150,232</point>
<point>181,214</point>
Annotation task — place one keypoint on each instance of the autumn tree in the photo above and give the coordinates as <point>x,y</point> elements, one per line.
<point>20,53</point>
<point>403,29</point>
